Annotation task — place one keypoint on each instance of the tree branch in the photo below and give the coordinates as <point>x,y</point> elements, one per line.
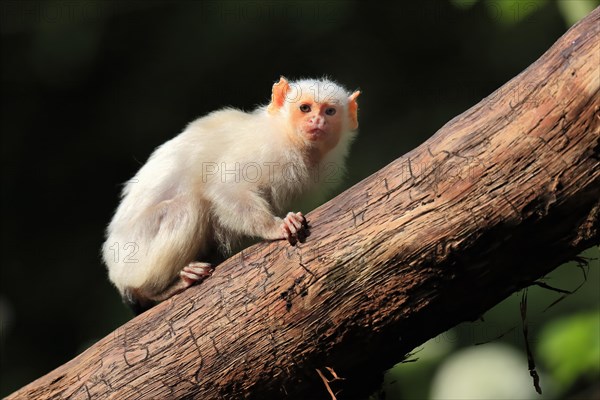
<point>497,198</point>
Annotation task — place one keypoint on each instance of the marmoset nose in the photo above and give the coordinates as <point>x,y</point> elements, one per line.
<point>317,121</point>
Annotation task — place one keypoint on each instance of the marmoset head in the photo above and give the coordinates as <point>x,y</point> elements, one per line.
<point>319,112</point>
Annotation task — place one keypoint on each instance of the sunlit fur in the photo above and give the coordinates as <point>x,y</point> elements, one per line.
<point>178,207</point>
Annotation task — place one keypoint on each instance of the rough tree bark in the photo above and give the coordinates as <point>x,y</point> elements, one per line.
<point>500,196</point>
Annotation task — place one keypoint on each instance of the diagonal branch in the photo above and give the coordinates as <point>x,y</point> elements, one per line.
<point>497,198</point>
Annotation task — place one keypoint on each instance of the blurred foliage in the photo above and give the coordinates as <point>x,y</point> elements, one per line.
<point>90,88</point>
<point>550,329</point>
<point>512,12</point>
<point>570,348</point>
<point>493,371</point>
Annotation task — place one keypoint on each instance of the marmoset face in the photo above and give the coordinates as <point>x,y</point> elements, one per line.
<point>319,122</point>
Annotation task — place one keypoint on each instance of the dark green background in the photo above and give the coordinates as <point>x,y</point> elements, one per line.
<point>89,89</point>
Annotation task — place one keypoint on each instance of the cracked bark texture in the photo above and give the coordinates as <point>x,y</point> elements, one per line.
<point>498,197</point>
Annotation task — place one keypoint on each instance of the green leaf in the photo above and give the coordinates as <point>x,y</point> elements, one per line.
<point>570,348</point>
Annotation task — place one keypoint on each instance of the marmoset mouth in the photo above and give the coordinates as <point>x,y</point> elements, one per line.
<point>315,134</point>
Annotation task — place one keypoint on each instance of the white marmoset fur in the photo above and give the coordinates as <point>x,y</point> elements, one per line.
<point>226,177</point>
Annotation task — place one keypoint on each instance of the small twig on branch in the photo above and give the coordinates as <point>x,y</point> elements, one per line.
<point>554,289</point>
<point>328,381</point>
<point>530,359</point>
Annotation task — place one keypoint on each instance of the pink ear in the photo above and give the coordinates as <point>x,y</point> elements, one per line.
<point>278,94</point>
<point>353,110</point>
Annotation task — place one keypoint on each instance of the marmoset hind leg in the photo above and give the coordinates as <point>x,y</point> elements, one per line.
<point>194,273</point>
<point>293,228</point>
